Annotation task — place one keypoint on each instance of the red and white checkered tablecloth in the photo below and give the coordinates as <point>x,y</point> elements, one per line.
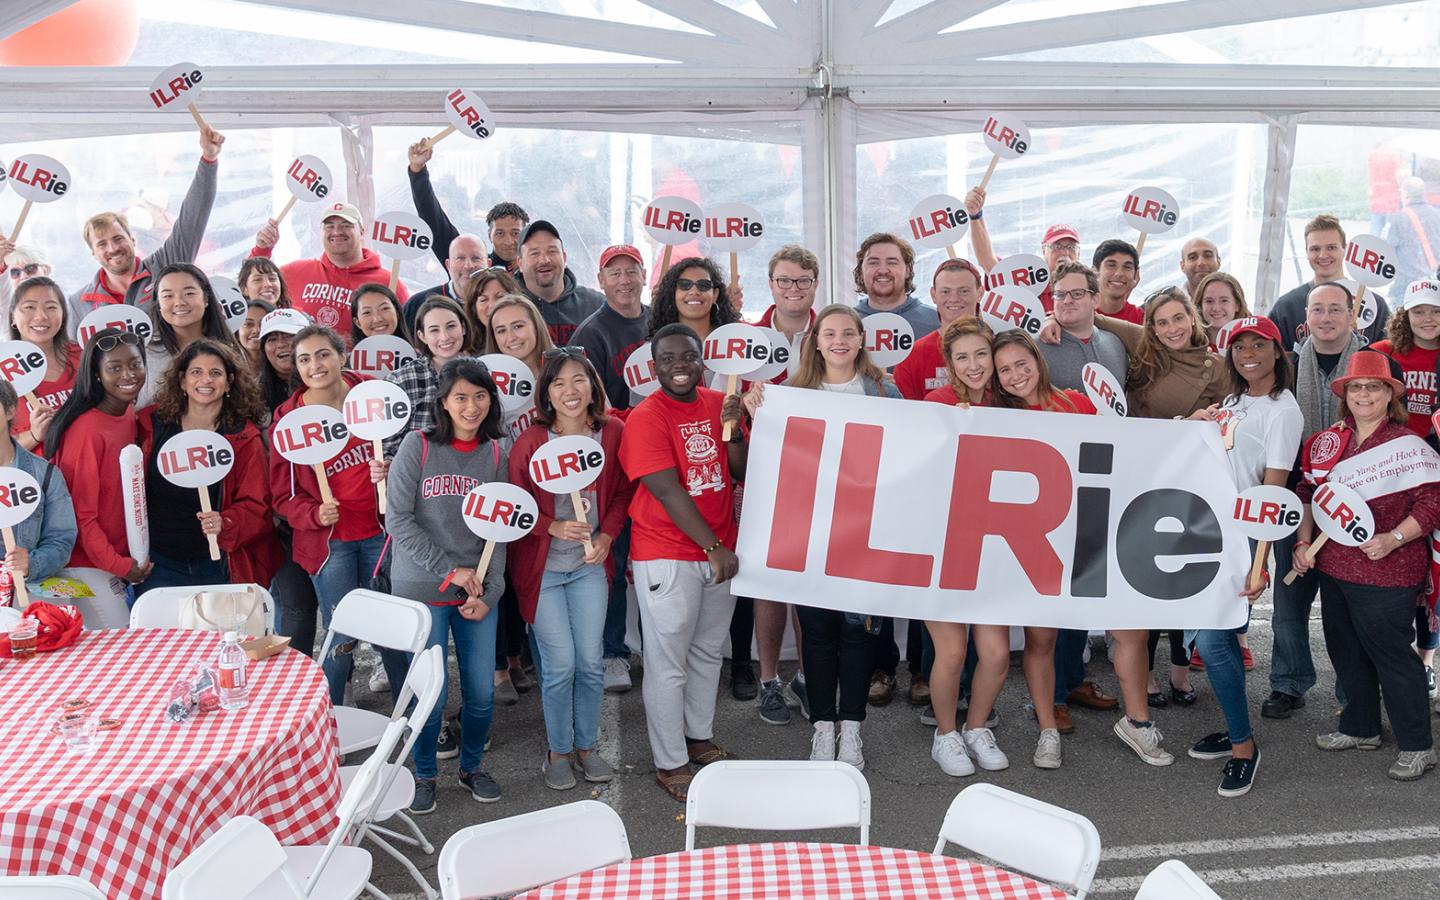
<point>745,871</point>
<point>123,816</point>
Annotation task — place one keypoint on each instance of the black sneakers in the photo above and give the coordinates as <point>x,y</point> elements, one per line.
<point>743,683</point>
<point>1211,746</point>
<point>1281,705</point>
<point>448,745</point>
<point>1238,776</point>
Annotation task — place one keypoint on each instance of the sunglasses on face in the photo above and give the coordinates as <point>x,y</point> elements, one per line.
<point>563,352</point>
<point>29,271</point>
<point>111,341</point>
<point>704,285</point>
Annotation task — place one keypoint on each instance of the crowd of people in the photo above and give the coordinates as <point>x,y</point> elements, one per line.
<point>1296,396</point>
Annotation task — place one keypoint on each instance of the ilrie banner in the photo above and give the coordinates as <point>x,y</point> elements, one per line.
<point>990,516</point>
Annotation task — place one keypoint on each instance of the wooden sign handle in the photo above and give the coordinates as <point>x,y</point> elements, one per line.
<point>1140,244</point>
<point>380,485</point>
<point>22,596</point>
<point>732,386</point>
<point>394,272</point>
<point>320,476</point>
<point>984,182</point>
<point>195,114</point>
<point>734,270</point>
<point>1257,568</point>
<point>1310,555</point>
<point>31,399</point>
<point>579,504</point>
<point>1359,302</point>
<point>204,493</point>
<point>20,222</point>
<point>285,210</point>
<point>950,250</point>
<point>484,563</point>
<point>442,135</point>
<point>665,260</point>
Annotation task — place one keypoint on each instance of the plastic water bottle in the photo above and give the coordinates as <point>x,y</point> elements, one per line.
<point>234,690</point>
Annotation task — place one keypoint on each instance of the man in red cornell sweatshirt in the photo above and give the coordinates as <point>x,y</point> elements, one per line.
<point>956,288</point>
<point>321,287</point>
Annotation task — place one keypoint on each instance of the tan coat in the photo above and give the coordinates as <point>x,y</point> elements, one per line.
<point>1197,377</point>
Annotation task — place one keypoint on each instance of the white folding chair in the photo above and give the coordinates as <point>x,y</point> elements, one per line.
<point>160,607</point>
<point>382,620</point>
<point>9,617</point>
<point>511,855</point>
<point>1025,834</point>
<point>397,783</point>
<point>47,887</point>
<point>778,795</point>
<point>1173,880</point>
<point>238,862</point>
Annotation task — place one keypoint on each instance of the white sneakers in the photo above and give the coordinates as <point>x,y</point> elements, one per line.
<point>379,680</point>
<point>948,750</point>
<point>850,744</point>
<point>617,675</point>
<point>1144,741</point>
<point>1047,750</point>
<point>822,743</point>
<point>980,745</point>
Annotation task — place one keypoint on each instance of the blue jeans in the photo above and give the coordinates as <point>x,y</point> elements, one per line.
<point>569,627</point>
<point>170,572</point>
<point>1292,669</point>
<point>349,567</point>
<point>1226,670</point>
<point>475,654</point>
<point>619,606</point>
<point>1069,662</point>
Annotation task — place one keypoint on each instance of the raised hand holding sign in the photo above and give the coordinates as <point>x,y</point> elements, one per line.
<point>734,350</point>
<point>1005,135</point>
<point>671,221</point>
<point>938,221</point>
<point>308,179</point>
<point>20,496</point>
<point>1267,513</point>
<point>468,115</point>
<point>38,179</point>
<point>568,465</point>
<point>731,228</point>
<point>179,84</point>
<point>374,411</point>
<point>197,459</point>
<point>1149,210</point>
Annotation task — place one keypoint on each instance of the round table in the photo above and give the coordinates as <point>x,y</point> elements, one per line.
<point>796,870</point>
<point>122,816</point>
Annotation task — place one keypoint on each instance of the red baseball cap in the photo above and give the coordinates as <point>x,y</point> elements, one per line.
<point>1261,325</point>
<point>620,250</point>
<point>1060,233</point>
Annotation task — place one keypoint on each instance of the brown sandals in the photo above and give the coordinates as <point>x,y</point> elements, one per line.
<point>675,782</point>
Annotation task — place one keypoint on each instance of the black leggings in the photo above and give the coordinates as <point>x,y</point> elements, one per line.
<point>742,629</point>
<point>510,634</point>
<point>1179,653</point>
<point>837,653</point>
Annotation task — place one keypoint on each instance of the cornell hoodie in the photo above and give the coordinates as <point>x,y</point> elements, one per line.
<point>321,289</point>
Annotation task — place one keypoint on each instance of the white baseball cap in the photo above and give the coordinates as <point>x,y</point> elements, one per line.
<point>1422,293</point>
<point>284,321</point>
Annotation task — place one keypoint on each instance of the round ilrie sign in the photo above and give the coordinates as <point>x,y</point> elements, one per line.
<point>195,459</point>
<point>565,464</point>
<point>23,365</point>
<point>19,496</point>
<point>499,511</point>
<point>310,435</point>
<point>375,410</point>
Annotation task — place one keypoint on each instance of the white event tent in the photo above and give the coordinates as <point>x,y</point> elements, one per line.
<point>832,117</point>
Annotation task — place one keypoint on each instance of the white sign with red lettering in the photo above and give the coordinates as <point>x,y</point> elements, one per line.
<point>20,496</point>
<point>1024,270</point>
<point>375,410</point>
<point>1342,514</point>
<point>640,371</point>
<point>39,178</point>
<point>195,459</point>
<point>1225,334</point>
<point>1268,512</point>
<point>1020,519</point>
<point>673,220</point>
<point>733,227</point>
<point>115,315</point>
<point>513,379</point>
<point>1005,135</point>
<point>23,365</point>
<point>889,338</point>
<point>938,221</point>
<point>232,303</point>
<point>736,349</point>
<point>308,179</point>
<point>499,511</point>
<point>1369,309</point>
<point>180,82</point>
<point>401,235</point>
<point>380,354</point>
<point>1150,210</point>
<point>566,464</point>
<point>781,354</point>
<point>1103,389</point>
<point>310,435</point>
<point>1370,260</point>
<point>468,114</point>
<point>1009,306</point>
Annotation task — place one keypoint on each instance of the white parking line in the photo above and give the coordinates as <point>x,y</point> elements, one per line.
<point>1269,842</point>
<point>608,746</point>
<point>1329,869</point>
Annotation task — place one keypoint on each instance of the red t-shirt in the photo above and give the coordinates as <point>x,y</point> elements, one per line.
<point>349,475</point>
<point>1128,313</point>
<point>923,370</point>
<point>1082,404</point>
<point>946,395</point>
<point>1420,382</point>
<point>663,433</point>
<point>51,393</point>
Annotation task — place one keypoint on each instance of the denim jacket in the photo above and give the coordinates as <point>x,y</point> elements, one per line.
<point>50,533</point>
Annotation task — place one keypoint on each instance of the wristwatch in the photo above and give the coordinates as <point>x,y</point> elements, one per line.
<point>1398,536</point>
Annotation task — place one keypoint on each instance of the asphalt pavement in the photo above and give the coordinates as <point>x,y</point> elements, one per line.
<point>1316,825</point>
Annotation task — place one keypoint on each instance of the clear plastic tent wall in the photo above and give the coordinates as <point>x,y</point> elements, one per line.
<point>831,118</point>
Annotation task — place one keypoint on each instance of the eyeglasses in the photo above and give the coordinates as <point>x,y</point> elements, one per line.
<point>1076,295</point>
<point>29,271</point>
<point>563,353</point>
<point>704,285</point>
<point>111,341</point>
<point>786,284</point>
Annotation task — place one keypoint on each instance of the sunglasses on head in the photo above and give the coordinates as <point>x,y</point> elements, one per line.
<point>565,352</point>
<point>111,341</point>
<point>705,285</point>
<point>27,271</point>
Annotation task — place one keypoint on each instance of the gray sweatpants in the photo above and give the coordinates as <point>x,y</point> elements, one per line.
<point>685,620</point>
